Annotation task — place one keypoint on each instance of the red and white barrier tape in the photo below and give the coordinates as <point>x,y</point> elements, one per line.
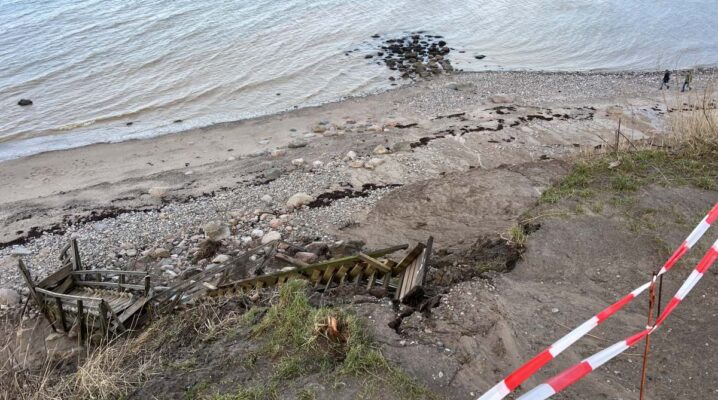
<point>516,378</point>
<point>572,375</point>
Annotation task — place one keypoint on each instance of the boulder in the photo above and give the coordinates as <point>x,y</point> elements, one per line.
<point>502,99</point>
<point>271,237</point>
<point>216,231</point>
<point>9,297</point>
<point>299,200</point>
<point>24,102</point>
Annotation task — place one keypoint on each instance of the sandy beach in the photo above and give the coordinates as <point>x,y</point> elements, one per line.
<point>460,157</point>
<point>42,190</point>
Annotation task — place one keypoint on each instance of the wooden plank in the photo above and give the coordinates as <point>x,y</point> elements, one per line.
<point>65,286</point>
<point>372,276</point>
<point>82,335</point>
<point>328,273</point>
<point>329,281</point>
<point>31,286</point>
<point>133,309</point>
<point>357,270</point>
<point>349,259</point>
<point>75,255</point>
<point>424,266</point>
<point>63,251</point>
<point>316,275</point>
<point>55,278</point>
<point>291,260</point>
<point>111,272</point>
<point>61,314</point>
<point>374,263</point>
<point>385,280</point>
<point>411,256</point>
<point>342,273</point>
<point>112,285</point>
<point>104,326</point>
<point>67,296</point>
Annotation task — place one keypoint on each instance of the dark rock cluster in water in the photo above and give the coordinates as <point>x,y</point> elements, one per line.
<point>417,55</point>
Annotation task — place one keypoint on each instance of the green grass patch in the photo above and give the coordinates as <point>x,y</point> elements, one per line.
<point>636,169</point>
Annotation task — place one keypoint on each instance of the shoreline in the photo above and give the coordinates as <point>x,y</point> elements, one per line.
<point>454,124</point>
<point>701,70</point>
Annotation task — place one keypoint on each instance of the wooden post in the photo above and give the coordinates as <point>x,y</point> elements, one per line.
<point>61,314</point>
<point>38,300</point>
<point>104,326</point>
<point>121,282</point>
<point>618,135</point>
<point>147,285</point>
<point>81,335</point>
<point>651,302</point>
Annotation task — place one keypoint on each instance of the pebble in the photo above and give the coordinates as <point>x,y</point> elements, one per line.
<point>351,155</point>
<point>299,199</point>
<point>278,153</point>
<point>20,251</point>
<point>380,149</point>
<point>271,236</point>
<point>373,163</point>
<point>267,199</point>
<point>317,164</point>
<point>222,258</point>
<point>216,231</point>
<point>298,162</point>
<point>257,233</point>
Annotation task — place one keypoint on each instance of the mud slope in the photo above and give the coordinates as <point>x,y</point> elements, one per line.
<point>458,207</point>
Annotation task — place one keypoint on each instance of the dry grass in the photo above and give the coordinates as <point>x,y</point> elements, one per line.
<point>693,121</point>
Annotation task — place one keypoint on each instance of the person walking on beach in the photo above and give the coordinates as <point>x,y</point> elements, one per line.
<point>687,82</point>
<point>666,79</point>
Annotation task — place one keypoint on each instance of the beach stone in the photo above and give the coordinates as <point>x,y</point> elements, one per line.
<point>131,253</point>
<point>401,146</point>
<point>278,153</point>
<point>317,164</point>
<point>299,199</point>
<point>160,253</point>
<point>267,199</point>
<point>373,163</point>
<point>297,144</point>
<point>375,128</point>
<point>216,231</point>
<point>380,149</point>
<point>169,274</point>
<point>298,162</point>
<point>305,256</point>
<point>190,272</point>
<point>221,258</point>
<point>271,236</point>
<point>351,155</point>
<point>257,233</point>
<point>356,164</point>
<point>245,240</point>
<point>24,102</point>
<point>158,191</point>
<point>502,99</point>
<point>319,128</point>
<point>273,173</point>
<point>9,297</point>
<point>20,251</point>
<point>275,223</point>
